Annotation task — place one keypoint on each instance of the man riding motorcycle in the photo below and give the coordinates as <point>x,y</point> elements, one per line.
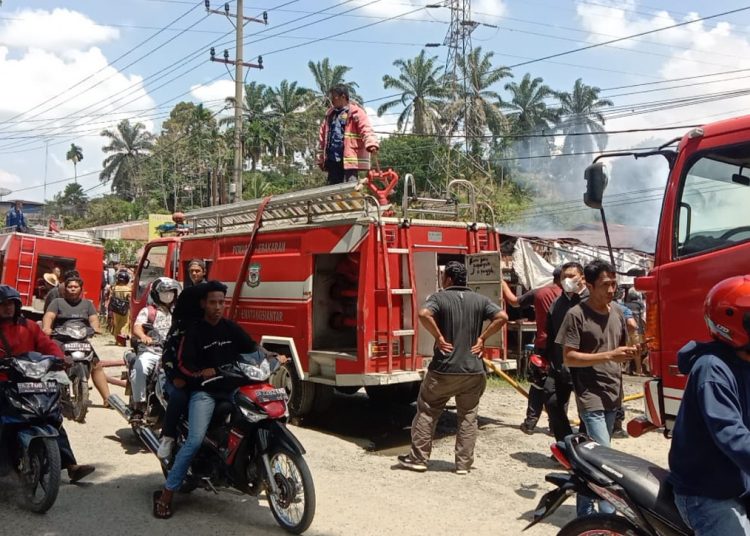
<point>211,342</point>
<point>20,336</point>
<point>157,315</point>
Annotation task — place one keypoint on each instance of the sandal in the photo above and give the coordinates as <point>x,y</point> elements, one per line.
<point>161,509</point>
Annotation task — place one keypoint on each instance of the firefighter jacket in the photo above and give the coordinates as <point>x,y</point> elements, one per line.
<point>358,137</point>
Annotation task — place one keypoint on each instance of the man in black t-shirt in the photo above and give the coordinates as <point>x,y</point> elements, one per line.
<point>454,317</point>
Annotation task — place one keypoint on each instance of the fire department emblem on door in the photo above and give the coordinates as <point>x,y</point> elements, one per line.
<point>253,275</point>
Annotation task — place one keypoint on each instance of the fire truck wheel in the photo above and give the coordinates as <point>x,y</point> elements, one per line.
<point>400,393</point>
<point>301,394</point>
<point>348,389</point>
<point>323,397</point>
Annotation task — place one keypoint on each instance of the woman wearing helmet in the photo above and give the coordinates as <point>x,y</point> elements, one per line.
<point>710,454</point>
<point>153,321</point>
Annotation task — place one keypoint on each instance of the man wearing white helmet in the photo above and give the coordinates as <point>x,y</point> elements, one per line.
<point>152,322</point>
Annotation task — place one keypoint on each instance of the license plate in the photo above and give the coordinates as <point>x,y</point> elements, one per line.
<point>271,395</point>
<point>78,346</point>
<point>32,387</point>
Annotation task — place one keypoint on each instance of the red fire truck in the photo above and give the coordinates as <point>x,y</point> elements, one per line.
<point>333,278</point>
<point>25,258</point>
<point>703,237</point>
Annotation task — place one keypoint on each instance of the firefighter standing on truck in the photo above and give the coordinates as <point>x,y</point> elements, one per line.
<point>346,138</point>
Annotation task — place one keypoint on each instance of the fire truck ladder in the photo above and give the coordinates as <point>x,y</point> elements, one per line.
<point>327,203</point>
<point>450,208</point>
<point>402,247</point>
<point>25,274</point>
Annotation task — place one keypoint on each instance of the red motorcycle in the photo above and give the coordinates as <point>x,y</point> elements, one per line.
<point>248,446</point>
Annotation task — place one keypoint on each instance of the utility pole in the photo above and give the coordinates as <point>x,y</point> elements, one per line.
<point>238,82</point>
<point>46,158</point>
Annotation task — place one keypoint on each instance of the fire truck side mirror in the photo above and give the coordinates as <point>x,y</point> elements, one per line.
<point>597,177</point>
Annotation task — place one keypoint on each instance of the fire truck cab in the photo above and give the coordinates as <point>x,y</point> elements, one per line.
<point>333,279</point>
<point>703,237</point>
<point>26,257</point>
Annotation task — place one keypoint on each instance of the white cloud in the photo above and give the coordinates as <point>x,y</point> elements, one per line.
<point>58,30</point>
<point>490,7</point>
<point>35,71</point>
<point>9,180</point>
<point>391,8</point>
<point>216,91</point>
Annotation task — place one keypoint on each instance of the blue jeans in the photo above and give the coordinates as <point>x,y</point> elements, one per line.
<point>200,411</point>
<point>599,426</point>
<point>713,517</point>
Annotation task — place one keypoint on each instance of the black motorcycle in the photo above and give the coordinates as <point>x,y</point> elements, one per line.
<point>29,420</point>
<point>74,337</point>
<point>248,447</point>
<point>637,488</point>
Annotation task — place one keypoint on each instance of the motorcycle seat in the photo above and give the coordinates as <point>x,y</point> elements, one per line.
<point>645,482</point>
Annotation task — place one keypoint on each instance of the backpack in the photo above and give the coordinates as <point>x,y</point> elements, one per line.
<point>119,305</point>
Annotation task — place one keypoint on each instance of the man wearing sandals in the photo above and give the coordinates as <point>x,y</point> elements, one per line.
<point>212,342</point>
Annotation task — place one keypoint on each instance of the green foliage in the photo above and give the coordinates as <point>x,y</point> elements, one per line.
<point>127,250</point>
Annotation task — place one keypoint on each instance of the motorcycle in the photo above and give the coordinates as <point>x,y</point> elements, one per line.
<point>248,446</point>
<point>153,409</point>
<point>74,337</point>
<point>29,420</point>
<point>637,488</point>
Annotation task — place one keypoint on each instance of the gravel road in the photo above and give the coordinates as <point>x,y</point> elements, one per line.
<point>351,452</point>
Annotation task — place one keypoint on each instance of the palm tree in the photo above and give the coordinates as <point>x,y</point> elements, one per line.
<point>285,102</point>
<point>478,104</point>
<point>422,92</point>
<point>529,113</point>
<point>128,145</point>
<point>256,135</point>
<point>581,112</point>
<point>75,155</point>
<point>326,76</point>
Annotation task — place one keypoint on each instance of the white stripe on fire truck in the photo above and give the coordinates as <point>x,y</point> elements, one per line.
<point>351,239</point>
<point>278,290</point>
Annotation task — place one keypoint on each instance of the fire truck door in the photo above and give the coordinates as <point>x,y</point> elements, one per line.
<point>425,265</point>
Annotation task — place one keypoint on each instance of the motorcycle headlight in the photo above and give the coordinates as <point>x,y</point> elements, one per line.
<point>32,369</point>
<point>256,372</point>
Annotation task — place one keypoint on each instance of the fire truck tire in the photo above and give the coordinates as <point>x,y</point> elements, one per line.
<point>323,397</point>
<point>348,389</point>
<point>301,393</point>
<point>400,393</point>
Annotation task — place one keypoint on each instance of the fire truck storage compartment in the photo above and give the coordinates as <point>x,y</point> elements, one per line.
<point>44,265</point>
<point>334,307</point>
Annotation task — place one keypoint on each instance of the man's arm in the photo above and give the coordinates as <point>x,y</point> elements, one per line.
<point>242,341</point>
<point>47,320</point>
<point>722,413</point>
<point>427,318</point>
<point>573,358</point>
<point>42,343</point>
<point>508,296</point>
<point>365,128</point>
<point>497,322</point>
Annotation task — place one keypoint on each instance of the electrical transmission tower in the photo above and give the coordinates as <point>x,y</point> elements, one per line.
<point>458,39</point>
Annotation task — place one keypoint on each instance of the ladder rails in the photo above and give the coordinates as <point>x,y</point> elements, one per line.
<point>402,248</point>
<point>327,203</point>
<point>25,273</point>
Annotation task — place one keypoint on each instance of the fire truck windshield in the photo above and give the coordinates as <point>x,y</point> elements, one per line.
<point>715,194</point>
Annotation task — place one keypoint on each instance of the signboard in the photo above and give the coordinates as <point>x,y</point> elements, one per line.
<point>484,275</point>
<point>154,221</point>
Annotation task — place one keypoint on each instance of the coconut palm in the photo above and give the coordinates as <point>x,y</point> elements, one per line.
<point>128,146</point>
<point>286,102</point>
<point>476,104</point>
<point>528,112</point>
<point>422,90</point>
<point>581,112</point>
<point>326,76</point>
<point>256,135</point>
<point>75,155</point>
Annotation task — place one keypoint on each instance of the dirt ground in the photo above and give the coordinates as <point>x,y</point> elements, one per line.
<point>351,452</point>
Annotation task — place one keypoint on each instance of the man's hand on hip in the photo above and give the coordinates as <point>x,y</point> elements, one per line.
<point>478,347</point>
<point>444,345</point>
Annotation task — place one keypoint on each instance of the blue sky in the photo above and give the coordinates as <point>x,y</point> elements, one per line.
<point>49,46</point>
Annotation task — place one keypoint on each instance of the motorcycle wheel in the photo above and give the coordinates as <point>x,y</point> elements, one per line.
<point>600,525</point>
<point>79,387</point>
<point>41,479</point>
<point>294,506</point>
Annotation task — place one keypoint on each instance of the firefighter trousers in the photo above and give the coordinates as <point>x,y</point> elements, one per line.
<point>437,389</point>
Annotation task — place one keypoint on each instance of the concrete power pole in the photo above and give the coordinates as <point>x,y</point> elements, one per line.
<point>238,84</point>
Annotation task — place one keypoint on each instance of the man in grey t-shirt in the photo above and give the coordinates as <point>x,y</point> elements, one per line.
<point>454,317</point>
<point>593,336</point>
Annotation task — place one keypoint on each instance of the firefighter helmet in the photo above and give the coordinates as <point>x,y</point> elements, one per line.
<point>727,311</point>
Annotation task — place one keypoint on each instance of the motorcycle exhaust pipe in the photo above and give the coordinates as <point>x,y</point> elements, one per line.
<point>148,437</point>
<point>119,404</point>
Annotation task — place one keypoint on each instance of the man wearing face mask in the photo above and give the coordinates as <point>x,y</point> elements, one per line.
<point>155,318</point>
<point>559,384</point>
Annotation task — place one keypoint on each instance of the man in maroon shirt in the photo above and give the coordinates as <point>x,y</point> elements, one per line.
<point>19,336</point>
<point>543,297</point>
